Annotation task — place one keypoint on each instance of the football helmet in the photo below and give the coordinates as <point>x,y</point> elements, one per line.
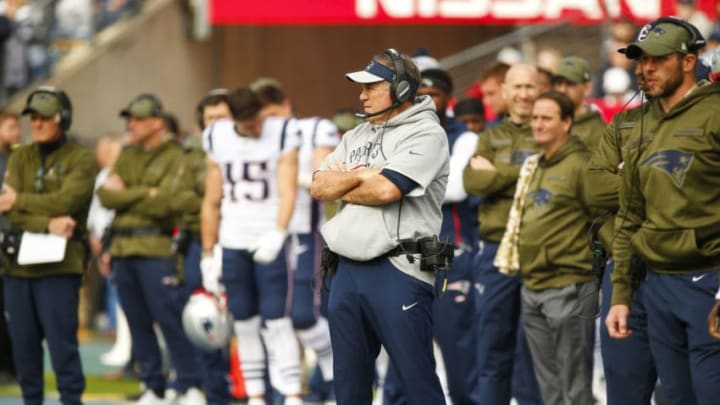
<point>207,321</point>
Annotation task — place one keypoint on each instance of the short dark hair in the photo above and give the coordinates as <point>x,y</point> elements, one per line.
<point>495,72</point>
<point>213,98</point>
<point>270,94</point>
<point>469,106</point>
<point>244,104</point>
<point>567,108</point>
<point>437,78</point>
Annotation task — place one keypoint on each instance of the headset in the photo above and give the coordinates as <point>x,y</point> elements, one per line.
<point>157,108</point>
<point>696,42</point>
<point>65,104</point>
<point>213,97</point>
<point>402,88</point>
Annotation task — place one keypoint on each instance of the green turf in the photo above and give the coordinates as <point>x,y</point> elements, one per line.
<point>94,386</point>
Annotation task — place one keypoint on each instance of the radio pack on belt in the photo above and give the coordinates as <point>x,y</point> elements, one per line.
<point>435,255</point>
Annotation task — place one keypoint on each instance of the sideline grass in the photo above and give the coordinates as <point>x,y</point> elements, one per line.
<point>95,386</point>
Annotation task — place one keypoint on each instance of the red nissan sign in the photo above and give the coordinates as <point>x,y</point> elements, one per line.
<point>324,12</point>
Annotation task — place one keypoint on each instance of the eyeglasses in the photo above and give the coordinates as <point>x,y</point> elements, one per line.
<point>39,183</point>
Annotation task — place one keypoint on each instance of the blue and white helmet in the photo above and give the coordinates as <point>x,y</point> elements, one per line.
<point>207,321</point>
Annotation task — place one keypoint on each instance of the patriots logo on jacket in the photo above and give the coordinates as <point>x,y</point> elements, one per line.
<point>541,198</point>
<point>673,162</point>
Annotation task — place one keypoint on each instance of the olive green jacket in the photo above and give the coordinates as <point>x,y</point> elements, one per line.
<point>506,146</point>
<point>553,245</point>
<point>589,127</point>
<point>670,192</point>
<point>603,178</point>
<point>66,179</point>
<point>188,202</point>
<point>162,167</point>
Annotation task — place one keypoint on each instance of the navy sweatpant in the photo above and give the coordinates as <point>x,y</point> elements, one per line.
<point>306,282</point>
<point>687,358</point>
<point>39,309</point>
<point>371,304</point>
<point>149,292</point>
<point>505,365</point>
<point>630,371</point>
<point>454,327</point>
<point>456,331</point>
<point>216,364</point>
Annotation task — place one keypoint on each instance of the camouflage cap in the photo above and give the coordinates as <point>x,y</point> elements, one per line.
<point>658,40</point>
<point>44,103</point>
<point>573,69</point>
<point>143,106</point>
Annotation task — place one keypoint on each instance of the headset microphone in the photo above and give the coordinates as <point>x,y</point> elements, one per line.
<point>383,111</point>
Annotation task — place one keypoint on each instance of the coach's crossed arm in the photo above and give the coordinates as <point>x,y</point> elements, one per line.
<point>333,182</point>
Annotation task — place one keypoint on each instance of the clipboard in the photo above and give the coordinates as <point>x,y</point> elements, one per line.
<point>37,248</point>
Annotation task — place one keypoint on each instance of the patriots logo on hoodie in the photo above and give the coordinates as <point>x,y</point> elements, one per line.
<point>673,162</point>
<point>541,198</point>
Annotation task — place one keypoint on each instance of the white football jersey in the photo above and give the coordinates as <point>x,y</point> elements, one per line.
<point>250,200</point>
<point>314,133</point>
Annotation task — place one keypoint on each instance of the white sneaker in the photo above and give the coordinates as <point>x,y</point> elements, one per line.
<point>149,398</point>
<point>171,396</point>
<point>119,354</point>
<point>293,401</point>
<point>256,401</point>
<point>192,396</point>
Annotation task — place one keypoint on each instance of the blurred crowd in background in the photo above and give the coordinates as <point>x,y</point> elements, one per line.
<point>36,33</point>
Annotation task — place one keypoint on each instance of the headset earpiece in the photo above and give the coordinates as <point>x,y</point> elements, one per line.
<point>400,89</point>
<point>200,115</point>
<point>696,41</point>
<point>65,115</point>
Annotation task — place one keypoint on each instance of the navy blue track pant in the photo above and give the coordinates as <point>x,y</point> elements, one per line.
<point>456,331</point>
<point>505,365</point>
<point>306,282</point>
<point>687,358</point>
<point>39,309</point>
<point>454,320</point>
<point>214,365</point>
<point>630,372</point>
<point>372,304</point>
<point>149,292</point>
